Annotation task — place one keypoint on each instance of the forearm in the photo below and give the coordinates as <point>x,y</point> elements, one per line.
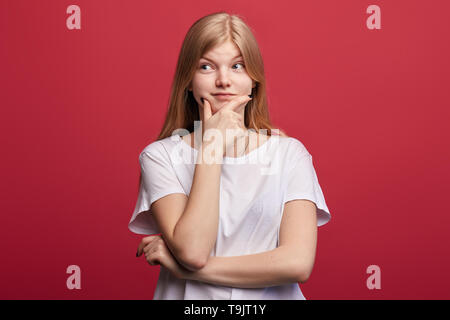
<point>197,227</point>
<point>271,268</point>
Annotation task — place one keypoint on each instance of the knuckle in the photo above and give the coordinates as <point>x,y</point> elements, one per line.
<point>150,239</point>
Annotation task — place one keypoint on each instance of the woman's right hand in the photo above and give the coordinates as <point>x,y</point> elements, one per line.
<point>228,117</point>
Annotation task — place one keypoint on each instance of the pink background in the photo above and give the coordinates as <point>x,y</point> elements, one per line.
<point>78,106</point>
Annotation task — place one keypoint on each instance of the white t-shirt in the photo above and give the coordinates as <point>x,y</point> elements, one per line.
<point>253,191</point>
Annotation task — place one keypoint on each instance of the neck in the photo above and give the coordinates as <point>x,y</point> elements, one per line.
<point>239,144</point>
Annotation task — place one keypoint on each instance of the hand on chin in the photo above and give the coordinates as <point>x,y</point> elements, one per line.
<point>216,106</point>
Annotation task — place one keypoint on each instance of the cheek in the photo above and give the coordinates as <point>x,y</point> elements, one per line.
<point>244,81</point>
<point>199,88</point>
<point>201,83</point>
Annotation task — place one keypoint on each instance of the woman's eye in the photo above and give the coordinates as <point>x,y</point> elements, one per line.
<point>204,65</point>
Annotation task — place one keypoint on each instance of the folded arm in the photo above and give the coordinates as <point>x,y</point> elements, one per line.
<point>189,224</point>
<point>292,261</point>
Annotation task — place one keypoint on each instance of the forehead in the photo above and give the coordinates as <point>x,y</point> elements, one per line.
<point>225,50</point>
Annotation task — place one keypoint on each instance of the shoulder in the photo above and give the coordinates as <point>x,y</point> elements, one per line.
<point>292,143</point>
<point>157,149</point>
<point>298,146</point>
<point>294,152</point>
<point>294,147</point>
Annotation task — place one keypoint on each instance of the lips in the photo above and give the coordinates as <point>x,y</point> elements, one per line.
<point>223,96</point>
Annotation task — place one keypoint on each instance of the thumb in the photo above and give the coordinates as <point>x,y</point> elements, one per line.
<point>206,109</point>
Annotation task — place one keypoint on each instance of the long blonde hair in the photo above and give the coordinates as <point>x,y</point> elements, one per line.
<point>203,35</point>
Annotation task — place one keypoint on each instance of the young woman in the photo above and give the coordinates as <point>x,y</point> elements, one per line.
<point>243,227</point>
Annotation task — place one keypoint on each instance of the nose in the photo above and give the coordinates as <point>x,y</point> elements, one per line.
<point>223,80</point>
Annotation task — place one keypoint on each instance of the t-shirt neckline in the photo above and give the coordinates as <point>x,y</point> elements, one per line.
<point>231,159</point>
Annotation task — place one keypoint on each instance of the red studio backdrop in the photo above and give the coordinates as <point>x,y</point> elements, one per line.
<point>370,104</point>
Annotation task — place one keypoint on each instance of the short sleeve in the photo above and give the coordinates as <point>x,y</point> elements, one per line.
<point>158,180</point>
<point>304,184</point>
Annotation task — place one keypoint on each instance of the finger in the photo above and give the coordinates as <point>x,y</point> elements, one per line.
<point>236,103</point>
<point>150,246</point>
<point>152,257</point>
<point>242,106</point>
<point>144,242</point>
<point>207,113</point>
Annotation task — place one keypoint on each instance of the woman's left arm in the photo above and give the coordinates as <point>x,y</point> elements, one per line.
<point>292,261</point>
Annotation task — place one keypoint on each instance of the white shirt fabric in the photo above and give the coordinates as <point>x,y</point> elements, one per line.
<point>253,191</point>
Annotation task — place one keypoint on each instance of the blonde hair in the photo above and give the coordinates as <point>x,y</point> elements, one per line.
<point>203,35</point>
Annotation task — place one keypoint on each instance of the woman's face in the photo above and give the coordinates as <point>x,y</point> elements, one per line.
<point>221,70</point>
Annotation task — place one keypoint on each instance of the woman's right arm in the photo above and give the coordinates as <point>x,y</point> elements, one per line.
<point>189,224</point>
<point>196,230</point>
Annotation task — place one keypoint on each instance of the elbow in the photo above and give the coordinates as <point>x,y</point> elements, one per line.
<point>193,262</point>
<point>186,254</point>
<point>302,277</point>
<point>195,265</point>
<point>303,273</point>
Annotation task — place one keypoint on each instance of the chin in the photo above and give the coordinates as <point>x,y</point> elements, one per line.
<point>220,104</point>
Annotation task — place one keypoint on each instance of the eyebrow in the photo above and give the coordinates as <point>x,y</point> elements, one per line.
<point>238,56</point>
